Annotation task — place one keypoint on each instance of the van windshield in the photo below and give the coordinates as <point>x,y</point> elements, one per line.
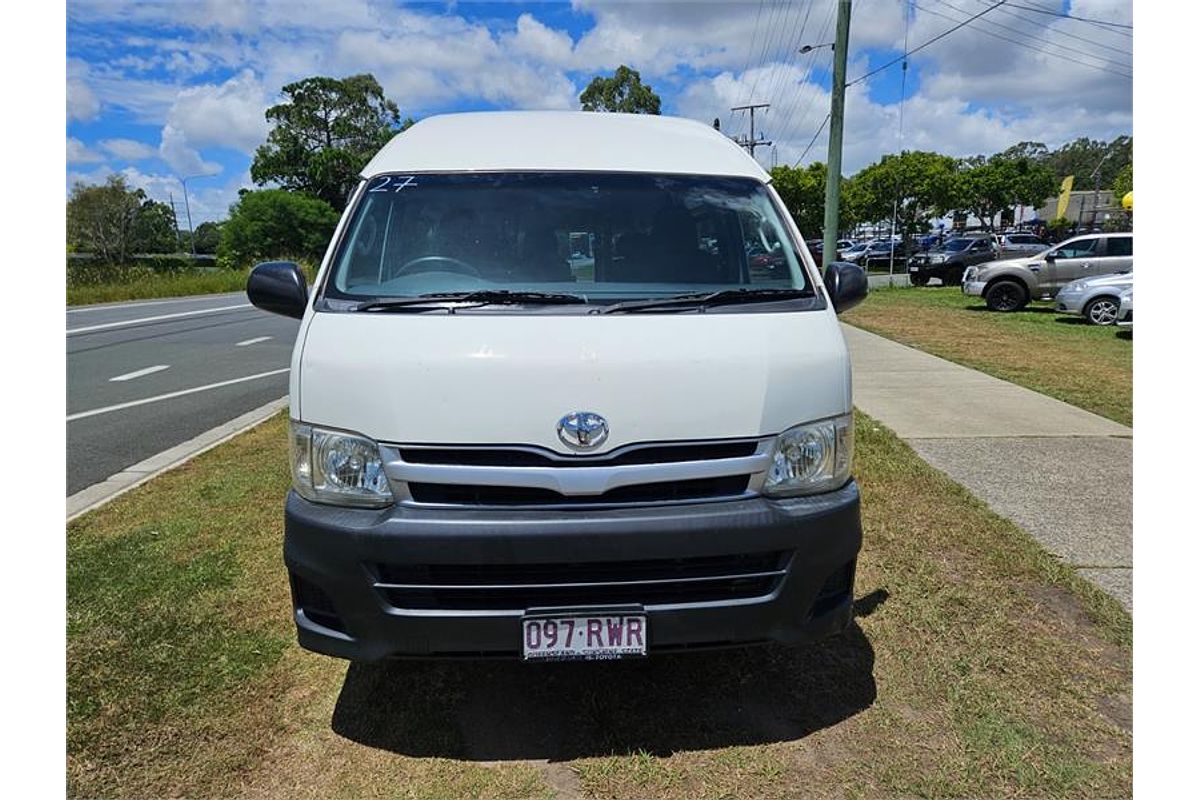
<point>607,237</point>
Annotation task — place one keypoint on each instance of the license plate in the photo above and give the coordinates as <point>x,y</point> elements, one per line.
<point>585,638</point>
<point>914,269</point>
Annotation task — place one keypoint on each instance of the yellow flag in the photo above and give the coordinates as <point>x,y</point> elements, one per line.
<point>1064,195</point>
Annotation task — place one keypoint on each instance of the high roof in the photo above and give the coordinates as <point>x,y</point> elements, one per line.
<point>563,140</point>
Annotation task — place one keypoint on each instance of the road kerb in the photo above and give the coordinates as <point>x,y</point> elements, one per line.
<point>100,493</point>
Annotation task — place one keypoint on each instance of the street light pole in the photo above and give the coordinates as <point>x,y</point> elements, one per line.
<point>837,114</point>
<point>188,208</point>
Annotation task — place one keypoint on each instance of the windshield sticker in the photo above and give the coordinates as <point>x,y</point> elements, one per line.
<point>382,183</point>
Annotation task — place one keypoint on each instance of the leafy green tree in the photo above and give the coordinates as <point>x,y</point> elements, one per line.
<point>997,185</point>
<point>154,229</point>
<point>324,134</point>
<point>1123,183</point>
<point>1082,156</point>
<point>624,92</point>
<point>803,193</point>
<point>275,223</point>
<point>208,238</point>
<point>102,219</point>
<point>920,185</point>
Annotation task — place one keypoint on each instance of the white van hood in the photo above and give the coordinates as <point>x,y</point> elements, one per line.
<point>508,379</point>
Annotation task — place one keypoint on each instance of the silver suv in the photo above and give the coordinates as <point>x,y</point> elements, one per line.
<point>1009,285</point>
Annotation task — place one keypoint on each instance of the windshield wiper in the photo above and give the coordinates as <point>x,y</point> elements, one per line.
<point>705,300</point>
<point>482,297</point>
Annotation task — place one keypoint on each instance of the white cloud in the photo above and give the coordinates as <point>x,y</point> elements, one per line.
<point>127,149</point>
<point>182,157</point>
<point>82,103</point>
<point>79,153</point>
<point>230,114</point>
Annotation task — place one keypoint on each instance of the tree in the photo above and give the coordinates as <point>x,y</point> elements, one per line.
<point>324,134</point>
<point>101,219</point>
<point>154,229</point>
<point>275,223</point>
<point>1082,156</point>
<point>208,237</point>
<point>997,185</point>
<point>918,184</point>
<point>1123,183</point>
<point>803,193</point>
<point>624,92</point>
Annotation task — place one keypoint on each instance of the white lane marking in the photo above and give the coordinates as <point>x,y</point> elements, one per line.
<point>140,320</point>
<point>200,298</point>
<point>128,376</point>
<point>255,340</point>
<point>98,494</point>
<point>171,395</point>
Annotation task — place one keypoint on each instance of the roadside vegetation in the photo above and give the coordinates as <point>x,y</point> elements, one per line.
<point>1042,349</point>
<point>978,666</point>
<point>146,284</point>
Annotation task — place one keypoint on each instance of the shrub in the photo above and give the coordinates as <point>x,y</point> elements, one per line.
<point>275,223</point>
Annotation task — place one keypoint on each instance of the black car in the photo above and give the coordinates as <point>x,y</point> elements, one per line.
<point>949,261</point>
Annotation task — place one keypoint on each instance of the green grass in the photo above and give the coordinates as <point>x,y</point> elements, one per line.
<point>982,668</point>
<point>167,285</point>
<point>1056,354</point>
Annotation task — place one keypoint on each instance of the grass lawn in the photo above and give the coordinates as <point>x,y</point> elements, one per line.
<point>179,285</point>
<point>1039,348</point>
<point>978,667</point>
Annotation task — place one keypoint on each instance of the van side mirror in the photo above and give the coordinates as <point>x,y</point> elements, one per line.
<point>278,287</point>
<point>846,284</point>
<point>1050,256</point>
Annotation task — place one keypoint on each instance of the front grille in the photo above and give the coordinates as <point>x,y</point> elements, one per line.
<point>668,491</point>
<point>527,457</point>
<point>516,587</point>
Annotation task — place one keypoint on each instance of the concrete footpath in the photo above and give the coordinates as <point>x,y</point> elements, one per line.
<point>1063,474</point>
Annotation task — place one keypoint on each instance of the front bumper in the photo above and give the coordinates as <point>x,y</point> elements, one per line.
<point>974,288</point>
<point>1069,303</point>
<point>333,556</point>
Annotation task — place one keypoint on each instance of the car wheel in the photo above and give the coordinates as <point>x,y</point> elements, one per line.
<point>1006,296</point>
<point>1101,311</point>
<point>918,280</point>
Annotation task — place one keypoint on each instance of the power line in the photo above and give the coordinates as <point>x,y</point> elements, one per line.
<point>920,47</point>
<point>814,89</point>
<point>1041,50</point>
<point>749,55</point>
<point>824,122</point>
<point>1020,32</point>
<point>1059,32</point>
<point>1065,15</point>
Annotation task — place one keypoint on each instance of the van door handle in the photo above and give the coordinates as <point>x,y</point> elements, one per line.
<point>1087,265</point>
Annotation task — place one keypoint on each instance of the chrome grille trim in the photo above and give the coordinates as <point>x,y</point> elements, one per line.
<point>576,480</point>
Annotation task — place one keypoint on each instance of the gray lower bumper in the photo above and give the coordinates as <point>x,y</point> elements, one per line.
<point>343,607</point>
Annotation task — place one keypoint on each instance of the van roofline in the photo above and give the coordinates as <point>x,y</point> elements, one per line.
<point>563,141</point>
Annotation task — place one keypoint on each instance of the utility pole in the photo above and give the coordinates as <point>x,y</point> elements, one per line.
<point>837,116</point>
<point>188,207</point>
<point>1096,193</point>
<point>752,142</point>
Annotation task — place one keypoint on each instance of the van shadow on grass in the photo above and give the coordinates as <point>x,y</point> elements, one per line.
<point>506,710</point>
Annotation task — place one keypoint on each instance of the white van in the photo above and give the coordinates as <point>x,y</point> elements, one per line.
<point>544,405</point>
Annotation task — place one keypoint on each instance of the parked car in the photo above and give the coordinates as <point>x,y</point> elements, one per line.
<point>879,254</point>
<point>1009,285</point>
<point>854,252</point>
<point>1097,299</point>
<point>1020,243</point>
<point>1125,308</point>
<point>948,262</point>
<point>546,468</point>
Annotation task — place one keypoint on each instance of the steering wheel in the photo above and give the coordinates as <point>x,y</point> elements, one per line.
<point>463,266</point>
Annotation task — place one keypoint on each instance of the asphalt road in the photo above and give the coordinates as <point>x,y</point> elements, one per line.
<point>145,376</point>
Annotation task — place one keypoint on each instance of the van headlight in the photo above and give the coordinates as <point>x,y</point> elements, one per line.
<point>811,458</point>
<point>338,468</point>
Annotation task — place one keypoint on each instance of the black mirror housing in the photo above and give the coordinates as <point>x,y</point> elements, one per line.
<point>278,287</point>
<point>846,284</point>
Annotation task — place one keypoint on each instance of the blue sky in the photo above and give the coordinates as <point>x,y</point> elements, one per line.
<point>160,90</point>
